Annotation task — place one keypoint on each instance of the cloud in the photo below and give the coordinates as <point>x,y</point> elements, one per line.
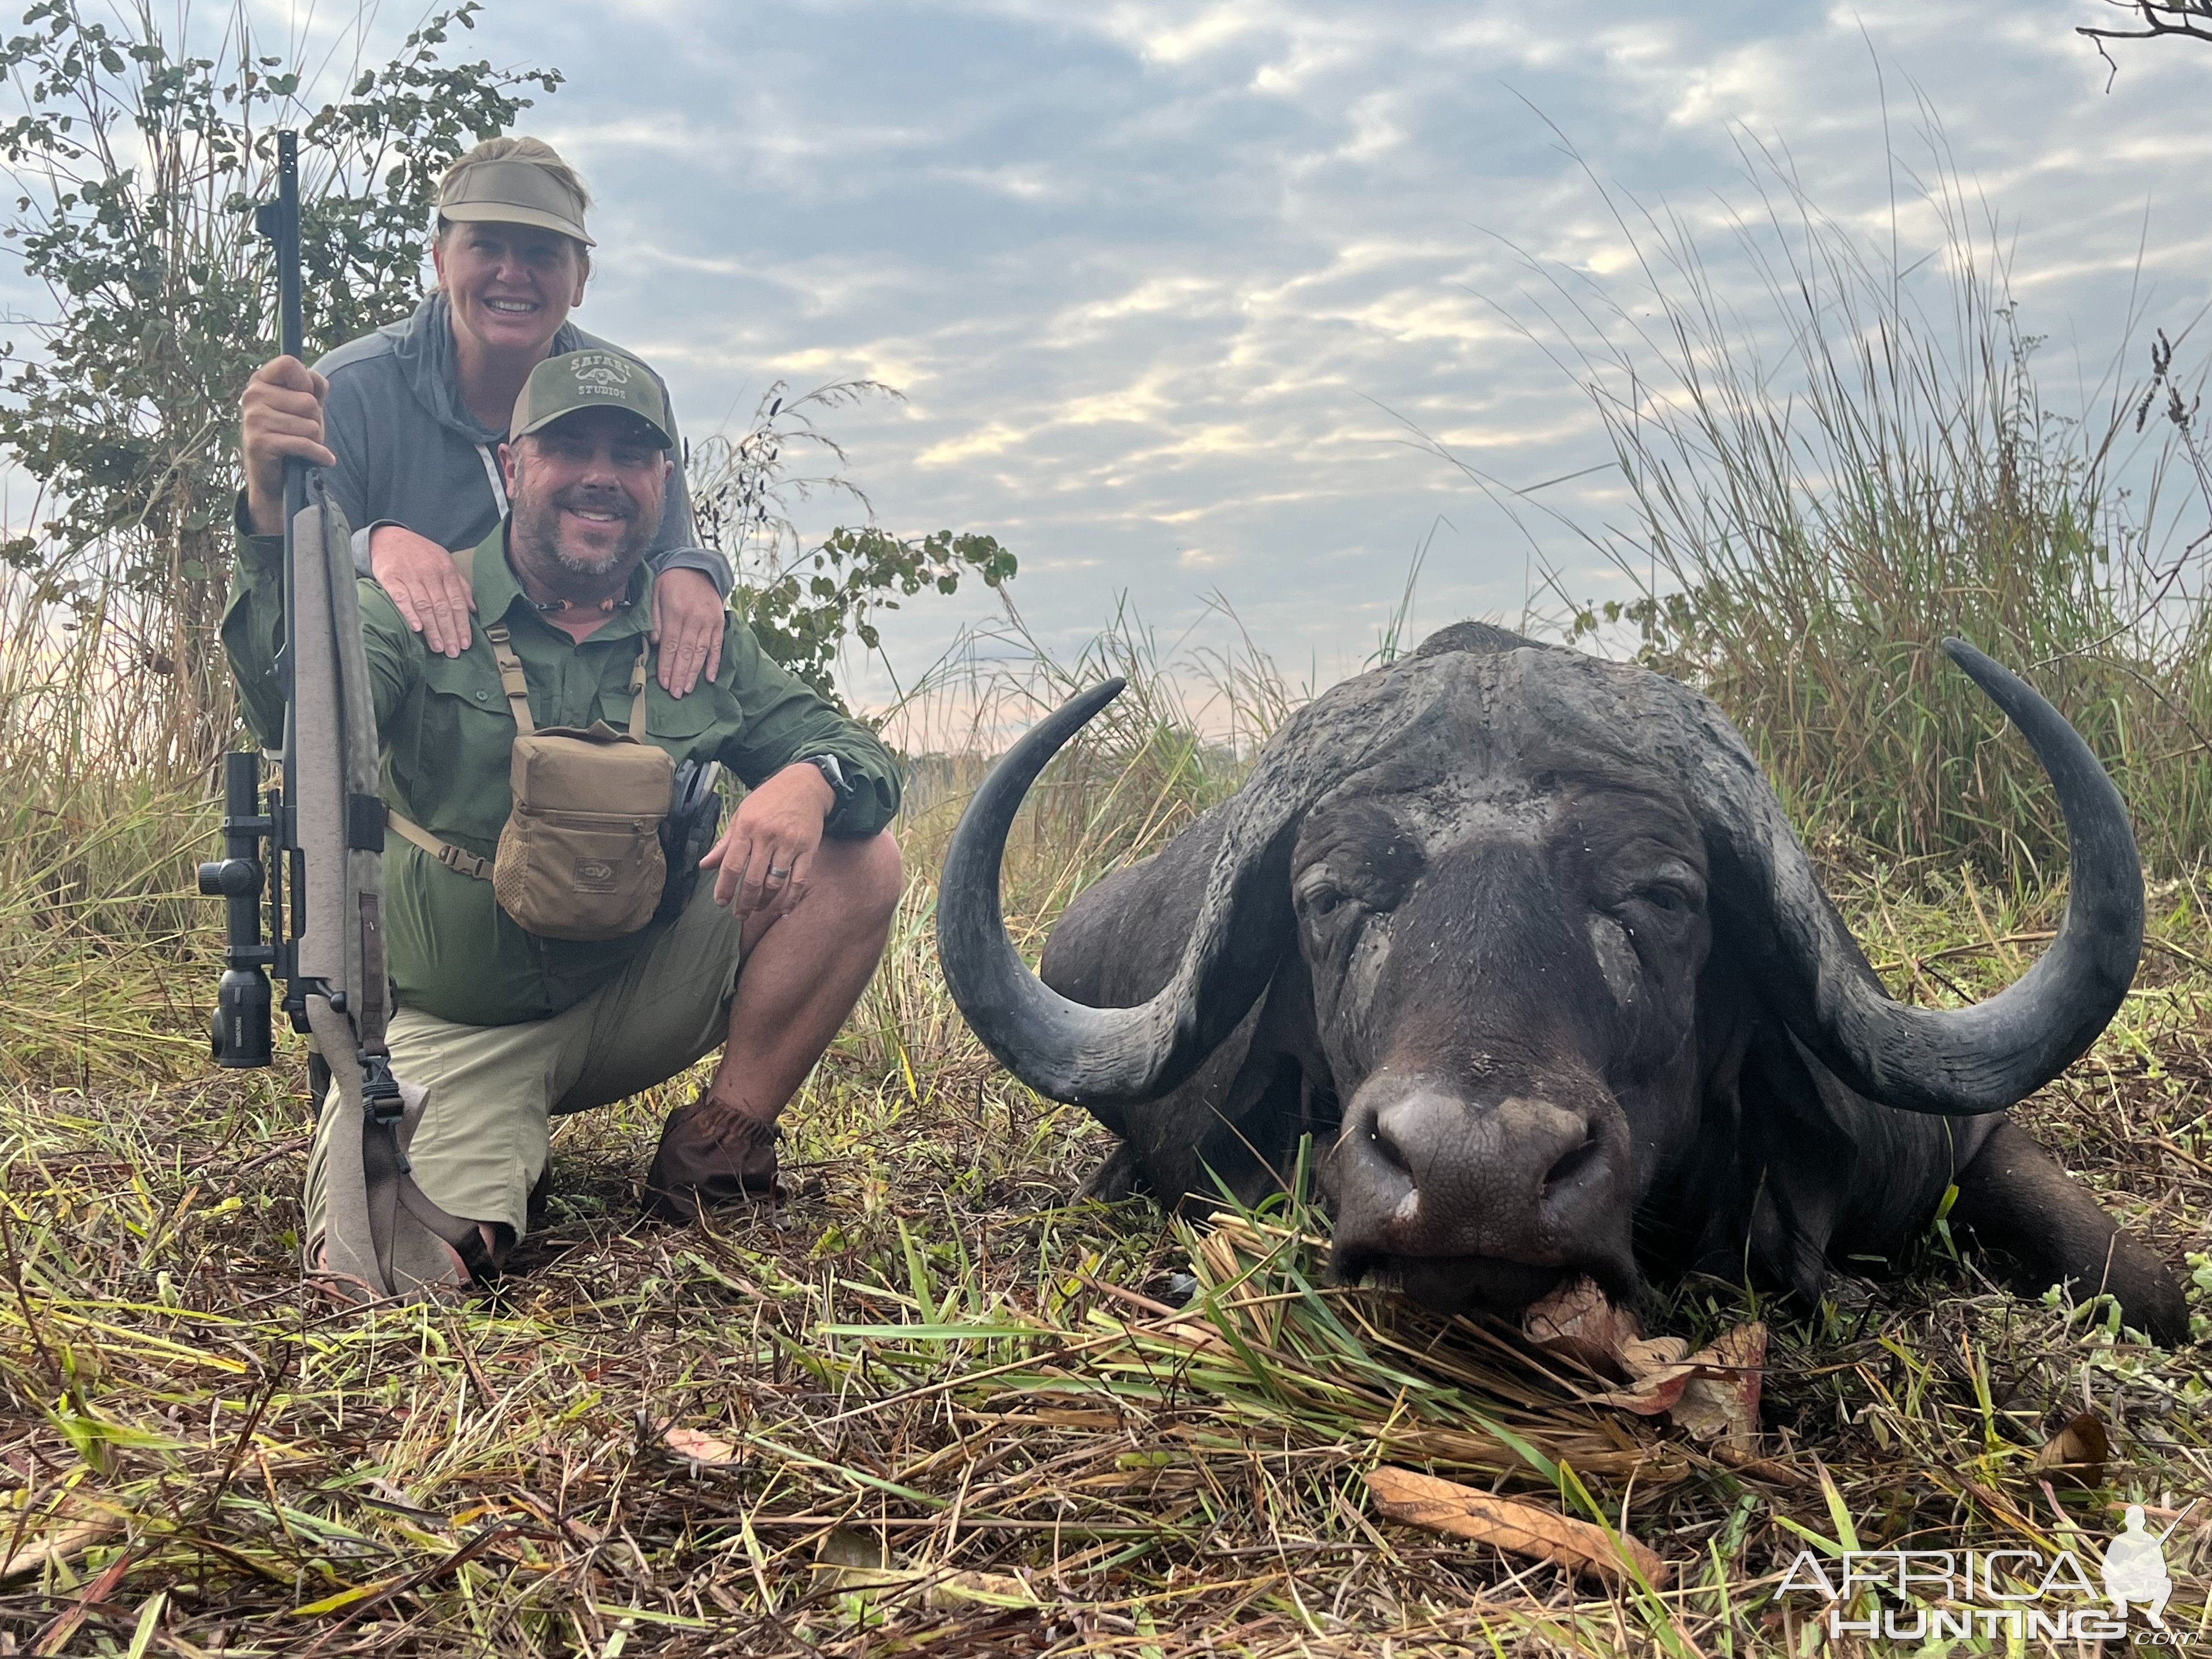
<point>1160,279</point>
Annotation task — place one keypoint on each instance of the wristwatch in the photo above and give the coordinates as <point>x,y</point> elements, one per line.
<point>834,775</point>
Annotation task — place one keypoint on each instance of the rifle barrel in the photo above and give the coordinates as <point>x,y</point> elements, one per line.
<point>290,332</point>
<point>280,222</point>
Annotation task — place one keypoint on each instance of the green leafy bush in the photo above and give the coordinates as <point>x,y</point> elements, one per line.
<point>802,602</point>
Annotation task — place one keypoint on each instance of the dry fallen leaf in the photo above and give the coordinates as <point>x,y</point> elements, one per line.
<point>1652,1354</point>
<point>1579,1322</point>
<point>1530,1529</point>
<point>1720,1400</point>
<point>1712,1394</point>
<point>63,1545</point>
<point>2077,1451</point>
<point>1655,1392</point>
<point>708,1450</point>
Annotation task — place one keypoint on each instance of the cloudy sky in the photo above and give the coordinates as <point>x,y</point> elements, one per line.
<point>1168,287</point>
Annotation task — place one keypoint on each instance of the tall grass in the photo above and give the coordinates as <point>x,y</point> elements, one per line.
<point>99,821</point>
<point>1835,452</point>
<point>1174,742</point>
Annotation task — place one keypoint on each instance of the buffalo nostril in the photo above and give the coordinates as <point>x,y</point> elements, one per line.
<point>1387,1149</point>
<point>1567,1169</point>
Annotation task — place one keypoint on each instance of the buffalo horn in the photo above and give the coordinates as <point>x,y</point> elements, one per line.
<point>1949,1061</point>
<point>1105,1056</point>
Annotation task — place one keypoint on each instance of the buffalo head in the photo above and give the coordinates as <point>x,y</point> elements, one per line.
<point>1527,939</point>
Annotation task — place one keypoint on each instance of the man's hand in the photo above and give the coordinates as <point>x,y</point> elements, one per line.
<point>280,417</point>
<point>688,619</point>
<point>766,853</point>
<point>426,585</point>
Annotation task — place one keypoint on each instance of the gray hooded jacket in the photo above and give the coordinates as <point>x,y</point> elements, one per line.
<point>410,452</point>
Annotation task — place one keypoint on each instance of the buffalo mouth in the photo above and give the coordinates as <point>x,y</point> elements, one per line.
<point>1478,1284</point>
<point>1468,1204</point>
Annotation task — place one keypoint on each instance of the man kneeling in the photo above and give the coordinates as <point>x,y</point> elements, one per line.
<point>501,1026</point>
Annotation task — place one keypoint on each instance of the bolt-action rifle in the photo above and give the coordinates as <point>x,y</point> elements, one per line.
<point>309,856</point>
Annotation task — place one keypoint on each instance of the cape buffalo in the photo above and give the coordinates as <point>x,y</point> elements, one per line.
<point>1524,940</point>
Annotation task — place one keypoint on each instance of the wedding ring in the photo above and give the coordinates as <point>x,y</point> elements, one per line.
<point>775,874</point>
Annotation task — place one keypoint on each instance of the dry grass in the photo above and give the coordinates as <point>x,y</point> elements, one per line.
<point>98,816</point>
<point>1832,451</point>
<point>940,1407</point>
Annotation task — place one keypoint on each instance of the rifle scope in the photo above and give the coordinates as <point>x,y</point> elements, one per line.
<point>241,1037</point>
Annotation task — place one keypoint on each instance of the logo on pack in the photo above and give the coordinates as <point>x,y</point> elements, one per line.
<point>594,876</point>
<point>601,374</point>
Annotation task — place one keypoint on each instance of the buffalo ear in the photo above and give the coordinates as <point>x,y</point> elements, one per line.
<point>1120,943</point>
<point>1235,1125</point>
<point>1771,1161</point>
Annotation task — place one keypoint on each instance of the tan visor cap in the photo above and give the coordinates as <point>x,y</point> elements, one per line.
<point>507,192</point>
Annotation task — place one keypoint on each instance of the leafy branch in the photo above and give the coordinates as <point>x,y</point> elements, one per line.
<point>803,603</point>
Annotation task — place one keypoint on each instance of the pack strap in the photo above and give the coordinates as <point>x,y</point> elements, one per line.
<point>453,857</point>
<point>516,688</point>
<point>510,677</point>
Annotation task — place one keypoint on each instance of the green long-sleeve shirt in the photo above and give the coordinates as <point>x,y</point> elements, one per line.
<point>448,735</point>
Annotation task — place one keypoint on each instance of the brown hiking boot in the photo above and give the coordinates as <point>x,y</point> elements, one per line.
<point>710,1156</point>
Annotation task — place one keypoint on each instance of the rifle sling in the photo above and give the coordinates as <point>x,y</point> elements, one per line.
<point>390,1184</point>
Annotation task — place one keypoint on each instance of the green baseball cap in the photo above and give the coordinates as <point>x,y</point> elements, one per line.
<point>507,191</point>
<point>592,380</point>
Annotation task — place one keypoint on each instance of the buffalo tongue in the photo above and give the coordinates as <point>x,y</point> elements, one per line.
<point>1712,1394</point>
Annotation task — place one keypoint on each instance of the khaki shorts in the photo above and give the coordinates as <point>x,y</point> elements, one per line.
<point>481,1099</point>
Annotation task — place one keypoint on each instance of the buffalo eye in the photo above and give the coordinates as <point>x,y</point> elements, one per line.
<point>1322,898</point>
<point>1666,894</point>
<point>1324,901</point>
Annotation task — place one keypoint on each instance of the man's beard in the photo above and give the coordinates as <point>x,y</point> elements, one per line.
<point>540,529</point>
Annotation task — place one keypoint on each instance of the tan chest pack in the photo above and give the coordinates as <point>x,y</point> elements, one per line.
<point>580,855</point>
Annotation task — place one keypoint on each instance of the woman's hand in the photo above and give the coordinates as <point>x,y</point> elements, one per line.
<point>688,619</point>
<point>280,418</point>
<point>765,855</point>
<point>425,585</point>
